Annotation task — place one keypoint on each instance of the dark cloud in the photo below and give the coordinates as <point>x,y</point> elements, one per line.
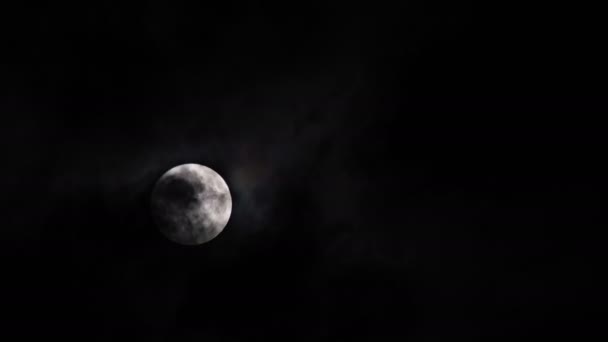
<point>385,182</point>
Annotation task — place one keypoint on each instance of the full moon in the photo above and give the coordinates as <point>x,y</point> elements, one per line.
<point>191,204</point>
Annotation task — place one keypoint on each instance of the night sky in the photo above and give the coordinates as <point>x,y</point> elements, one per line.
<point>415,172</point>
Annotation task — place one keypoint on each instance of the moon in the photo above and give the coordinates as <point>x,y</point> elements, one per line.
<point>191,204</point>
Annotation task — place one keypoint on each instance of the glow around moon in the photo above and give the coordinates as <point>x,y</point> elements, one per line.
<point>191,204</point>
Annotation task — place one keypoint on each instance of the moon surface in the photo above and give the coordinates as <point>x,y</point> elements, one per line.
<point>191,204</point>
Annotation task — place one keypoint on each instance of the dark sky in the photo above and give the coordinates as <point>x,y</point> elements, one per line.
<point>413,172</point>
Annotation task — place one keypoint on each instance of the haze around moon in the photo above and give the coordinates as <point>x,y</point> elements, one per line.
<point>191,204</point>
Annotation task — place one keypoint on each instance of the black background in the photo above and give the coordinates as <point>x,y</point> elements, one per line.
<point>419,172</point>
